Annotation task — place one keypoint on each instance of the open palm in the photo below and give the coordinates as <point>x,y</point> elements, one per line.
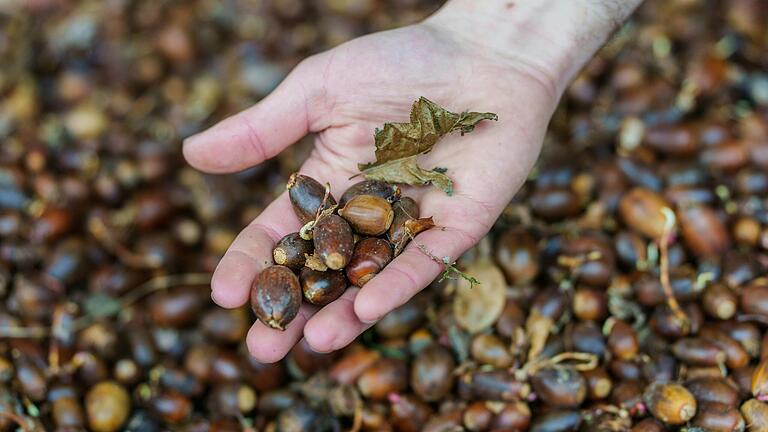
<point>342,95</point>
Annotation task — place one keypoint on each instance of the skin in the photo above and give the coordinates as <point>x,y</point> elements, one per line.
<point>496,56</point>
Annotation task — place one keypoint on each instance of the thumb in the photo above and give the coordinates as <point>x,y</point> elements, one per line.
<point>263,130</point>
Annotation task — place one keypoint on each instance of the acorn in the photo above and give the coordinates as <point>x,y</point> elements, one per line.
<point>697,351</point>
<point>322,287</point>
<point>717,417</point>
<point>307,196</point>
<point>562,387</point>
<point>491,350</point>
<point>714,390</point>
<point>107,405</point>
<point>622,339</point>
<point>368,259</point>
<point>378,188</point>
<point>432,373</point>
<point>670,403</point>
<point>276,296</point>
<point>387,375</point>
<point>641,210</point>
<point>334,242</point>
<point>290,251</point>
<point>368,214</point>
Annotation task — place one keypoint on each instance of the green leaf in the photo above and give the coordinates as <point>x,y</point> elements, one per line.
<point>398,144</point>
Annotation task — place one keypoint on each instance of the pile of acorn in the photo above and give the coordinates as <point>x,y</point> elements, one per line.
<point>340,244</point>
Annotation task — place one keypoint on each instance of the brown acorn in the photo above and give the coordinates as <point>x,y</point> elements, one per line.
<point>720,301</point>
<point>276,296</point>
<point>703,232</point>
<point>368,214</point>
<point>599,384</point>
<point>351,365</point>
<point>306,196</point>
<point>641,210</point>
<point>490,349</point>
<point>290,251</point>
<point>670,403</point>
<point>714,390</point>
<point>334,242</point>
<point>378,188</point>
<point>368,259</point>
<point>387,375</point>
<point>431,373</point>
<point>695,351</point>
<point>322,287</point>
<point>560,386</point>
<point>717,417</point>
<point>622,339</point>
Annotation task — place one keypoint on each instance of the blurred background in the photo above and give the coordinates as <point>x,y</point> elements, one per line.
<point>107,238</point>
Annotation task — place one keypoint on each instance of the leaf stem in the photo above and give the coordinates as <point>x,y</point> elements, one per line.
<point>674,306</point>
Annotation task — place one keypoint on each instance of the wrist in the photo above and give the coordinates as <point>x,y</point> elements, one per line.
<point>550,40</point>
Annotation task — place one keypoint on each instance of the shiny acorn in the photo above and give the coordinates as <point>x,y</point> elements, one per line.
<point>560,386</point>
<point>671,403</point>
<point>368,214</point>
<point>291,251</point>
<point>378,188</point>
<point>334,242</point>
<point>322,287</point>
<point>276,296</point>
<point>369,258</point>
<point>306,195</point>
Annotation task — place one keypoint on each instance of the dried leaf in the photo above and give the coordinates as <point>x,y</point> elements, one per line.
<point>477,306</point>
<point>407,170</point>
<point>398,144</point>
<point>413,227</point>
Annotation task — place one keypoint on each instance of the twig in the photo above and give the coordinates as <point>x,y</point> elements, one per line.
<point>674,306</point>
<point>306,231</point>
<point>450,272</point>
<point>583,362</point>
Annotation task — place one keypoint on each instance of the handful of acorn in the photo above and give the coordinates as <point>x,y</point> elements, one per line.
<point>340,244</point>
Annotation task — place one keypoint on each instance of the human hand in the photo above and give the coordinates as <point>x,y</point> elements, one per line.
<point>342,95</point>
